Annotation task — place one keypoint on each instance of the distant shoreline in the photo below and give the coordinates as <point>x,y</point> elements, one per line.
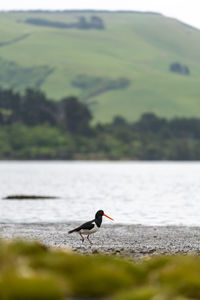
<point>130,240</point>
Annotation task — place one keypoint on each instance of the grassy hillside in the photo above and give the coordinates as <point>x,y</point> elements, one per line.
<point>138,48</point>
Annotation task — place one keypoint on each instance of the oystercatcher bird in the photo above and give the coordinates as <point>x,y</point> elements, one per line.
<point>91,226</point>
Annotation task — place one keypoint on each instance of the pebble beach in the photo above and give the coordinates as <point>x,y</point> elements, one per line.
<point>136,241</point>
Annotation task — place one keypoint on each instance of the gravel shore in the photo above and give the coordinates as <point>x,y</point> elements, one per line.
<point>132,240</point>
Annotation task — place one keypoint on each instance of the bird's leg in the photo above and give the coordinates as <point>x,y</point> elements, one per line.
<point>81,237</point>
<point>89,240</point>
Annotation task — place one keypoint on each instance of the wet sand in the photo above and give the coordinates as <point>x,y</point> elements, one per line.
<point>132,240</point>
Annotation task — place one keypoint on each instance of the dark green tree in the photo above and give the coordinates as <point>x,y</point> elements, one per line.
<point>36,109</point>
<point>150,122</point>
<point>75,116</point>
<point>9,107</point>
<point>97,23</point>
<point>179,68</point>
<point>83,24</point>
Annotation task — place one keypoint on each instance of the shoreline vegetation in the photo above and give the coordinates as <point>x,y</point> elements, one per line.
<point>50,271</point>
<point>33,127</point>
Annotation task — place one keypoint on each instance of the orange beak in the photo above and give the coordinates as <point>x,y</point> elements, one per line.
<point>108,217</point>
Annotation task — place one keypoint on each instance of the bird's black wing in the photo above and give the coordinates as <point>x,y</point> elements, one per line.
<point>88,225</point>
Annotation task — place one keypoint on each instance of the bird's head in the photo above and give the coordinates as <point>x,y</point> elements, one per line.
<point>100,214</point>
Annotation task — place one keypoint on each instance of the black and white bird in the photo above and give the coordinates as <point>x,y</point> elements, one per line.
<point>91,226</point>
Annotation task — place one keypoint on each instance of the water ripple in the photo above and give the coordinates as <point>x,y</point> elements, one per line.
<point>149,193</point>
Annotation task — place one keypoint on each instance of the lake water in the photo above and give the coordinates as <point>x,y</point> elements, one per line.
<point>149,193</point>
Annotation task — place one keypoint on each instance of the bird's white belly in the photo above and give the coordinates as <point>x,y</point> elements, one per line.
<point>93,230</point>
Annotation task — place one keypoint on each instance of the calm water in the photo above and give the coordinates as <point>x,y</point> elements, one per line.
<point>150,193</point>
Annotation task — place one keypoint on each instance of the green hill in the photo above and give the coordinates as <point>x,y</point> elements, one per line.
<point>121,69</point>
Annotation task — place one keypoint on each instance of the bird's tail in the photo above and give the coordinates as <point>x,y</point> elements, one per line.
<point>71,231</point>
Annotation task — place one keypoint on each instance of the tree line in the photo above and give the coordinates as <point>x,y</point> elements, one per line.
<point>34,127</point>
<point>33,108</point>
<point>94,22</point>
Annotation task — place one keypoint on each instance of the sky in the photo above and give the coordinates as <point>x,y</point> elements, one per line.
<point>184,10</point>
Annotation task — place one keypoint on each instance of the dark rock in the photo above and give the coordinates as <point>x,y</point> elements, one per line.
<point>28,197</point>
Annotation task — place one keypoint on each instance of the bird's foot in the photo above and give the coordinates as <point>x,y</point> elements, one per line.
<point>82,238</point>
<point>89,240</point>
